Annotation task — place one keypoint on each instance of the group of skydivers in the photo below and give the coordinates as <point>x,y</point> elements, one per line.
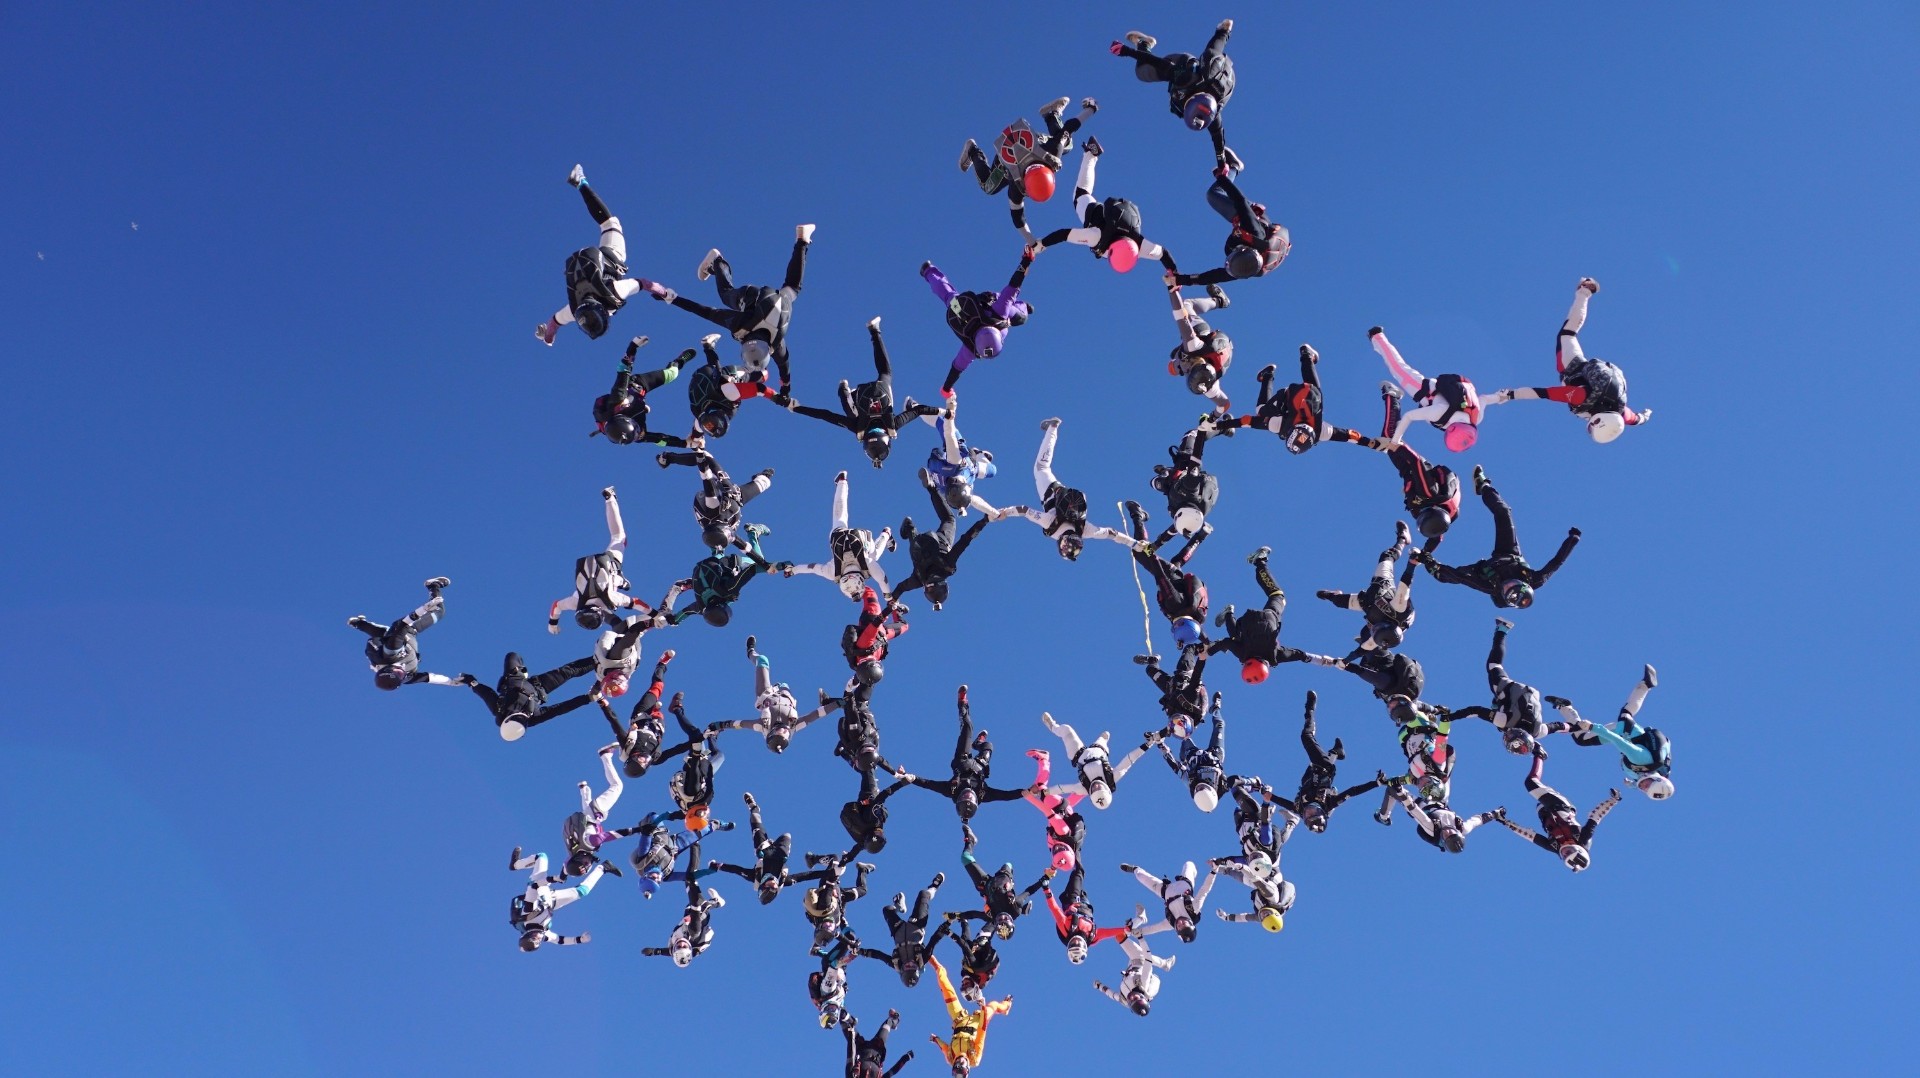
<point>1023,163</point>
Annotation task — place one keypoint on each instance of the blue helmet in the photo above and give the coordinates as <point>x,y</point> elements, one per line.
<point>1186,632</point>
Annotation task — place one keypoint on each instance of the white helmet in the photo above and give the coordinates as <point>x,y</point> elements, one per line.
<point>1205,798</point>
<point>1188,521</point>
<point>851,583</point>
<point>1077,949</point>
<point>1575,856</point>
<point>1606,426</point>
<point>1658,787</point>
<point>1099,793</point>
<point>682,951</point>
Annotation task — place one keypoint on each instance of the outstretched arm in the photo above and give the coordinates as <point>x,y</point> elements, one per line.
<point>1541,575</point>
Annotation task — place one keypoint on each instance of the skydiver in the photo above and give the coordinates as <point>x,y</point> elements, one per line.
<point>1645,753</point>
<point>1066,829</point>
<point>1297,414</point>
<point>1431,492</point>
<point>979,958</point>
<point>955,467</point>
<point>1024,164</point>
<point>779,717</point>
<point>586,831</point>
<point>533,910</point>
<point>968,1041</point>
<point>1504,576</point>
<point>867,1056</point>
<point>1434,820</point>
<point>867,409</point>
<point>909,932</point>
<point>756,315</point>
<point>621,413</point>
<point>1073,917</point>
<point>935,554</point>
<point>718,506</point>
<point>769,872</point>
<point>1063,510</point>
<point>1254,637</point>
<point>694,934</point>
<point>1317,797</point>
<point>1183,693</point>
<point>1386,606</point>
<point>1204,770</point>
<point>598,579</point>
<point>1181,595</point>
<point>980,319</point>
<point>1565,836</point>
<point>854,553</point>
<point>394,650</point>
<point>707,392</point>
<point>518,700</point>
<point>1449,402</point>
<point>718,579</point>
<point>1098,776</point>
<point>1183,898</point>
<point>1139,984</point>
<point>1517,710</point>
<point>1111,229</point>
<point>968,785</point>
<point>1593,389</point>
<point>1191,492</point>
<point>646,728</point>
<point>1001,898</point>
<point>1255,244</point>
<point>1198,87</point>
<point>1272,894</point>
<point>864,643</point>
<point>1204,352</point>
<point>597,281</point>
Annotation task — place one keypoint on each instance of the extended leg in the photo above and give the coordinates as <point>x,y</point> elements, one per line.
<point>1505,543</point>
<point>1043,479</point>
<point>840,503</point>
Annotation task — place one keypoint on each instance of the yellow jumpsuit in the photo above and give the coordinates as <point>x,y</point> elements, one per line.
<point>969,1029</point>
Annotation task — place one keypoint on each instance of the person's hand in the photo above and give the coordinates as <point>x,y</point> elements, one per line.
<point>553,628</point>
<point>924,267</point>
<point>1573,533</point>
<point>1115,48</point>
<point>1499,813</point>
<point>1558,701</point>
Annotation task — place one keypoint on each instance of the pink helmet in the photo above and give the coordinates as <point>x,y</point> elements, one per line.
<point>1461,435</point>
<point>1123,254</point>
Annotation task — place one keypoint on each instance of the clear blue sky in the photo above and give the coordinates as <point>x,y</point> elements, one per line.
<point>305,382</point>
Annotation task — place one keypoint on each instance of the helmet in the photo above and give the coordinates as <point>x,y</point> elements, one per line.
<point>1138,1002</point>
<point>755,353</point>
<point>1186,632</point>
<point>1038,181</point>
<point>877,444</point>
<point>514,726</point>
<point>959,492</point>
<point>588,617</point>
<point>1201,377</point>
<point>937,593</point>
<point>1314,815</point>
<point>682,952</point>
<point>1516,593</point>
<point>1605,427</point>
<point>1185,929</point>
<point>877,841</point>
<point>1099,793</point>
<point>389,677</point>
<point>622,430</point>
<point>696,816</point>
<point>1519,742</point>
<point>869,673</point>
<point>1255,671</point>
<point>967,801</point>
<point>717,614</point>
<point>1434,521</point>
<point>1070,547</point>
<point>592,318</point>
<point>1658,787</point>
<point>1123,254</point>
<point>531,938</point>
<point>1003,925</point>
<point>851,584</point>
<point>713,537</point>
<point>1199,111</point>
<point>1387,636</point>
<point>1271,919</point>
<point>778,738</point>
<point>637,764</point>
<point>1187,520</point>
<point>987,341</point>
<point>1302,438</point>
<point>615,684</point>
<point>714,421</point>
<point>769,889</point>
<point>1205,798</point>
<point>1453,840</point>
<point>1062,857</point>
<point>1461,436</point>
<point>1076,948</point>
<point>579,863</point>
<point>1245,262</point>
<point>1575,856</point>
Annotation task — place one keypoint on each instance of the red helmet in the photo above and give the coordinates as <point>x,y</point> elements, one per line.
<point>1255,671</point>
<point>1039,182</point>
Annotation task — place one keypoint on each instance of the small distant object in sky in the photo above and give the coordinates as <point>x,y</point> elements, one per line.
<point>136,226</point>
<point>41,255</point>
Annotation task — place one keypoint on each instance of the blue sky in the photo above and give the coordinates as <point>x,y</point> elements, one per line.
<point>305,382</point>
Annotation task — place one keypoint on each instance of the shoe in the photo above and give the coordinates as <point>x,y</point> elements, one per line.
<point>873,324</point>
<point>1592,286</point>
<point>1092,147</point>
<point>899,900</point>
<point>1266,374</point>
<point>1502,625</point>
<point>1339,751</point>
<point>1260,555</point>
<point>578,177</point>
<point>1090,104</point>
<point>1220,300</point>
<point>607,493</point>
<point>1389,390</point>
<point>1054,108</point>
<point>710,339</point>
<point>1049,424</point>
<point>864,866</point>
<point>1143,42</point>
<point>755,531</point>
<point>768,472</point>
<point>438,582</point>
<point>661,460</point>
<point>1650,677</point>
<point>803,233</point>
<point>966,154</point>
<point>1400,532</point>
<point>938,879</point>
<point>705,269</point>
<point>1308,354</point>
<point>1232,160</point>
<point>1479,479</point>
<point>715,896</point>
<point>1137,512</point>
<point>514,862</point>
<point>609,869</point>
<point>666,656</point>
<point>546,331</point>
<point>1146,660</point>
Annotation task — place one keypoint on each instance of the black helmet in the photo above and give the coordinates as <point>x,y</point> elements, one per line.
<point>717,614</point>
<point>1434,521</point>
<point>967,801</point>
<point>937,593</point>
<point>714,421</point>
<point>1386,636</point>
<point>580,863</point>
<point>1245,262</point>
<point>877,445</point>
<point>714,536</point>
<point>959,492</point>
<point>622,430</point>
<point>778,738</point>
<point>389,677</point>
<point>592,318</point>
<point>870,672</point>
<point>588,617</point>
<point>877,841</point>
<point>1201,377</point>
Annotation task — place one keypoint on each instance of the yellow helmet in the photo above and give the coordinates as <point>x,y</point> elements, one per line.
<point>1271,920</point>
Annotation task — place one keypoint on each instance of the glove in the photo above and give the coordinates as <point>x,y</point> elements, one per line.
<point>1115,48</point>
<point>553,626</point>
<point>1573,533</point>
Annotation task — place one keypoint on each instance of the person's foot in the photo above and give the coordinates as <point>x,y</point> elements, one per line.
<point>938,879</point>
<point>661,460</point>
<point>873,324</point>
<point>1390,391</point>
<point>1137,513</point>
<point>1054,108</point>
<point>710,339</point>
<point>899,901</point>
<point>1650,677</point>
<point>1231,160</point>
<point>705,269</point>
<point>438,582</point>
<point>578,177</point>
<point>756,531</point>
<point>1124,867</point>
<point>1592,286</point>
<point>514,861</point>
<point>607,493</point>
<point>678,703</point>
<point>1092,147</point>
<point>1049,424</point>
<point>1266,374</point>
<point>1502,625</point>
<point>803,233</point>
<point>1220,300</point>
<point>1146,660</point>
<point>357,620</point>
<point>666,656</point>
<point>610,869</point>
<point>1143,42</point>
<point>1339,751</point>
<point>1090,104</point>
<point>1226,25</point>
<point>1479,479</point>
<point>715,896</point>
<point>751,649</point>
<point>1260,555</point>
<point>768,472</point>
<point>1401,534</point>
<point>1307,354</point>
<point>546,331</point>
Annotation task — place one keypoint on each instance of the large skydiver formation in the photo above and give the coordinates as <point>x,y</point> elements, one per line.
<point>1192,741</point>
